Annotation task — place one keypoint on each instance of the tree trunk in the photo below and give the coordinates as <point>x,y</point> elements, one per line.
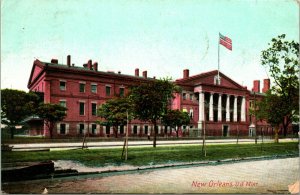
<point>276,140</point>
<point>116,131</point>
<point>177,133</point>
<point>51,130</point>
<point>12,132</point>
<point>285,126</point>
<point>154,138</point>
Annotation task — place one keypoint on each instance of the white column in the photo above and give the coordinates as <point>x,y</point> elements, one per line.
<point>235,109</point>
<point>201,109</point>
<point>220,108</point>
<point>243,110</point>
<point>227,108</point>
<point>211,107</point>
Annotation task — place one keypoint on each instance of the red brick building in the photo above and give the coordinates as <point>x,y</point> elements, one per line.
<point>223,106</point>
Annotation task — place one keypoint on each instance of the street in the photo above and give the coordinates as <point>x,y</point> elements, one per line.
<point>265,176</point>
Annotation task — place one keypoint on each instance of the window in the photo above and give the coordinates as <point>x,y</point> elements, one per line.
<point>107,89</point>
<point>63,103</point>
<point>184,96</point>
<point>191,96</point>
<point>93,88</point>
<point>81,128</point>
<point>81,87</point>
<point>62,85</point>
<point>63,129</point>
<point>146,129</point>
<point>121,92</point>
<point>94,128</point>
<point>122,129</point>
<point>81,108</point>
<point>156,129</point>
<point>107,129</point>
<point>94,109</point>
<point>191,113</point>
<point>217,81</point>
<point>135,129</point>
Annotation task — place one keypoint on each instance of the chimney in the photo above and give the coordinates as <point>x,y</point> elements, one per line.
<point>69,60</point>
<point>95,66</point>
<point>89,65</point>
<point>186,73</point>
<point>137,72</point>
<point>85,65</point>
<point>54,61</point>
<point>145,74</point>
<point>266,85</point>
<point>256,86</point>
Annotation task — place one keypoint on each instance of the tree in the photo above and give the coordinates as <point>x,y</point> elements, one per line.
<point>175,119</point>
<point>114,111</point>
<point>282,60</point>
<point>16,105</point>
<point>51,114</point>
<point>151,100</point>
<point>271,109</point>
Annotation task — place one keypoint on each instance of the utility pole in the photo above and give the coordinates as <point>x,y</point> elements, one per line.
<point>203,138</point>
<point>262,138</point>
<point>255,118</point>
<point>125,146</point>
<point>237,134</point>
<point>126,154</point>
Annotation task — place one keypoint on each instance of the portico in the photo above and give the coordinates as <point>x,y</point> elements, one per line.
<point>219,106</point>
<point>234,108</point>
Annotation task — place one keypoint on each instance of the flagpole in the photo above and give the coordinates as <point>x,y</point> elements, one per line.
<point>219,59</point>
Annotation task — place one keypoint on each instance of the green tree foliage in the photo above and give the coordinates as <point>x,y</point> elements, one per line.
<point>51,114</point>
<point>175,119</point>
<point>16,105</point>
<point>282,61</point>
<point>114,112</point>
<point>151,100</point>
<point>271,109</point>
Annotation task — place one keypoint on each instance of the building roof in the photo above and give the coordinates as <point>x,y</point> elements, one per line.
<point>208,78</point>
<point>76,69</point>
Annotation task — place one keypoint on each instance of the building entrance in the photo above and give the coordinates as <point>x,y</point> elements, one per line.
<point>225,130</point>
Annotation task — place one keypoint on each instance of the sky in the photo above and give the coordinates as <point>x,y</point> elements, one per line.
<point>160,36</point>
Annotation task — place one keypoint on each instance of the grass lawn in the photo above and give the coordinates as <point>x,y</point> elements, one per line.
<point>159,155</point>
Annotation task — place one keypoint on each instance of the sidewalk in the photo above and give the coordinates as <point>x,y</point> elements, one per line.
<point>82,169</point>
<point>251,175</point>
<point>119,144</point>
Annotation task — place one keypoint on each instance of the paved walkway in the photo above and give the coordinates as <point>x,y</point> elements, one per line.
<point>265,176</point>
<point>119,144</point>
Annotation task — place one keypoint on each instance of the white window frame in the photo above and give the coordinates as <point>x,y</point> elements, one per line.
<point>64,81</point>
<point>65,102</point>
<point>82,82</point>
<point>109,90</point>
<point>94,84</point>
<point>83,108</point>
